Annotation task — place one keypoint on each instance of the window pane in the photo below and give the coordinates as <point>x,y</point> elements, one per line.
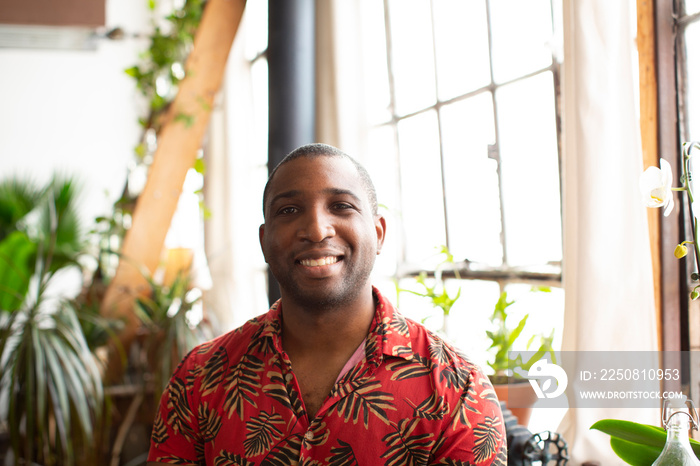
<point>692,7</point>
<point>530,171</point>
<point>259,78</point>
<point>461,47</point>
<point>471,180</point>
<point>421,186</point>
<point>381,165</point>
<point>412,54</point>
<point>255,15</point>
<point>376,80</point>
<point>521,33</point>
<point>692,41</point>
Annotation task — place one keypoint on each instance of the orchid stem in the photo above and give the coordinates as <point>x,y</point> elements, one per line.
<point>687,177</point>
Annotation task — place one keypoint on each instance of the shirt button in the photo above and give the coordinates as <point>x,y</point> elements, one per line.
<point>289,377</point>
<point>309,436</point>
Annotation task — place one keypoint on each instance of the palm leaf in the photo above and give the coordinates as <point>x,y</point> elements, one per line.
<point>406,449</point>
<point>18,197</point>
<point>262,432</point>
<point>342,455</point>
<point>243,382</point>
<point>364,399</point>
<point>285,453</point>
<point>16,254</point>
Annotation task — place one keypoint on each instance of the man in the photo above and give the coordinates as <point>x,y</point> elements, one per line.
<point>332,374</point>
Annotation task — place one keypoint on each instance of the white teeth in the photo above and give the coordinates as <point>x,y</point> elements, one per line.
<point>319,262</point>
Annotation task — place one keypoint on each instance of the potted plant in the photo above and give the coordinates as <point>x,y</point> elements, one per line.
<point>50,389</point>
<point>507,372</point>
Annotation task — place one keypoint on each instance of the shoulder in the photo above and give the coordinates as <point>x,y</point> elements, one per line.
<point>233,344</point>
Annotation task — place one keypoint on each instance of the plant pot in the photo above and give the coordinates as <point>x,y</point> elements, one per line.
<point>519,398</point>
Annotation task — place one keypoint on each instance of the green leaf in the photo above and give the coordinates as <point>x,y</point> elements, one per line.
<point>200,166</point>
<point>16,266</point>
<point>634,453</point>
<point>134,72</point>
<point>188,120</point>
<point>515,333</point>
<point>634,432</point>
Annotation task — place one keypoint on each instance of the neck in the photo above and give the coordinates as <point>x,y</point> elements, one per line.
<point>338,329</point>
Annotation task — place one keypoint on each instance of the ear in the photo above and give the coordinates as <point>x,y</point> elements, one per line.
<point>380,227</point>
<point>261,235</point>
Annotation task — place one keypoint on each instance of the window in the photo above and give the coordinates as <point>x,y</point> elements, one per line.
<point>688,56</point>
<point>462,98</point>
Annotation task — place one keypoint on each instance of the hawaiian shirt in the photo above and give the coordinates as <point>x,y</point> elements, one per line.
<point>411,400</point>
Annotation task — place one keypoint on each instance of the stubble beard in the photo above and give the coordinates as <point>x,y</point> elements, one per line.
<point>327,297</point>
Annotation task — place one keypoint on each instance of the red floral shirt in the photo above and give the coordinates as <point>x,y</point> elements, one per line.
<point>412,400</point>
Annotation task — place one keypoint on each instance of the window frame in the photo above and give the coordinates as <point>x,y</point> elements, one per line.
<point>551,275</point>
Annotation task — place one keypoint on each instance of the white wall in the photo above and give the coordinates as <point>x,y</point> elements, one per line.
<point>75,112</point>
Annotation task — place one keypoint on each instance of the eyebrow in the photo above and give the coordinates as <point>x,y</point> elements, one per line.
<point>333,191</point>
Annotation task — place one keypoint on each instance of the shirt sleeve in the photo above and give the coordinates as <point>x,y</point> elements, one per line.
<point>477,434</point>
<point>175,437</point>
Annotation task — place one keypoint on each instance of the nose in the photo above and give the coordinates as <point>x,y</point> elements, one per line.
<point>317,226</point>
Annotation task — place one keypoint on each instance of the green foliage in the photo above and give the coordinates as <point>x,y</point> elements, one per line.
<point>503,338</point>
<point>17,198</point>
<point>437,293</point>
<point>165,58</point>
<point>50,384</point>
<point>637,444</point>
<point>166,316</point>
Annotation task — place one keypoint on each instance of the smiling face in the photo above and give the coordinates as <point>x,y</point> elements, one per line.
<point>320,237</point>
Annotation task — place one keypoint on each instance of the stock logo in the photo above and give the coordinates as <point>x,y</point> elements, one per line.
<point>549,373</point>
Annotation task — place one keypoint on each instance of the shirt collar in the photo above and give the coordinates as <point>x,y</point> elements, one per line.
<point>389,334</point>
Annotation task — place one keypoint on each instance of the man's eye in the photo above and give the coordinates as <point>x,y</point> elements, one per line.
<point>286,210</point>
<point>342,206</point>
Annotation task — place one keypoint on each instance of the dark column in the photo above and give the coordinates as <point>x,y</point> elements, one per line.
<point>292,67</point>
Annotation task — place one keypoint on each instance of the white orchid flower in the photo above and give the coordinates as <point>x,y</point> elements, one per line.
<point>655,184</point>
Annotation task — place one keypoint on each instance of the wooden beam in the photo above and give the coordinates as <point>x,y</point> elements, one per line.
<point>648,120</point>
<point>178,144</point>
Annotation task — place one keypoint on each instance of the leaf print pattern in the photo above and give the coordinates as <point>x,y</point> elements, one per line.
<point>225,458</point>
<point>173,460</point>
<point>455,377</point>
<point>362,399</point>
<point>262,433</point>
<point>451,462</point>
<point>278,391</point>
<point>242,382</point>
<point>319,435</point>
<point>160,432</point>
<point>432,408</point>
<point>402,370</point>
<point>180,416</point>
<point>412,400</point>
<point>487,391</point>
<point>406,449</point>
<point>213,371</point>
<point>209,422</point>
<point>486,435</point>
<point>342,455</point>
<point>399,325</point>
<point>284,454</point>
<point>402,351</point>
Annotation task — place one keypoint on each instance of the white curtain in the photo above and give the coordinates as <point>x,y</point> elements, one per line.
<point>235,153</point>
<point>340,115</point>
<point>607,267</point>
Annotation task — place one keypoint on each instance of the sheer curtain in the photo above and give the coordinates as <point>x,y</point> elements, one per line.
<point>607,266</point>
<point>235,153</point>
